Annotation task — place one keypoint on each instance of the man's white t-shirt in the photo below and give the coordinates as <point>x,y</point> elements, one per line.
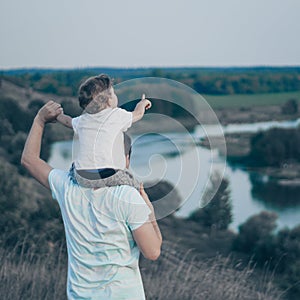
<point>101,140</point>
<point>102,254</point>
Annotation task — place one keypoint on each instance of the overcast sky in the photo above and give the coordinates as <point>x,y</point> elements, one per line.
<point>134,33</point>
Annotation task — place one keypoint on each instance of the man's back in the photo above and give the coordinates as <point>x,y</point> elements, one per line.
<point>103,256</point>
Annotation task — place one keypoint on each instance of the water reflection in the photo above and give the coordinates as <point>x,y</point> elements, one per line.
<point>250,193</point>
<point>274,194</point>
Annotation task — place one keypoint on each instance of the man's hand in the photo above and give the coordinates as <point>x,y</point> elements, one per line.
<point>145,197</point>
<point>49,112</point>
<point>148,236</point>
<point>31,159</point>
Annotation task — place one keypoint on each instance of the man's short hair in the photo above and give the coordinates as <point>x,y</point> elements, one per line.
<point>96,89</point>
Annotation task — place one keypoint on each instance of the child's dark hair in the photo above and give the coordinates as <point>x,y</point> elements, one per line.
<point>93,88</point>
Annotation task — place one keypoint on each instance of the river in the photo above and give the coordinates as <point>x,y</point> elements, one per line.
<point>178,158</point>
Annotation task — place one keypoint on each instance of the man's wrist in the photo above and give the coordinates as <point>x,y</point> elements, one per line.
<point>39,120</point>
<point>152,217</point>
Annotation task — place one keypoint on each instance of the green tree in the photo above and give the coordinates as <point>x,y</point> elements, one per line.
<point>157,73</point>
<point>15,149</point>
<point>10,193</point>
<point>216,211</point>
<point>288,247</point>
<point>256,233</point>
<point>19,118</point>
<point>281,251</point>
<point>275,147</point>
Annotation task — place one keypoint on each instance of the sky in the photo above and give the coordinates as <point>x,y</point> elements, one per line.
<point>152,33</point>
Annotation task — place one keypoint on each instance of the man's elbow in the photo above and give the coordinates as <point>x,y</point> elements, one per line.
<point>153,255</point>
<point>25,162</point>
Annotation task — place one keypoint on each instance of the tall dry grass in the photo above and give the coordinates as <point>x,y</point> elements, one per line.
<point>178,275</point>
<point>175,275</point>
<point>32,275</point>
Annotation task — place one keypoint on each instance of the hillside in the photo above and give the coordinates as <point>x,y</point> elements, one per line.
<point>237,108</point>
<point>176,275</point>
<point>24,95</point>
<point>196,261</point>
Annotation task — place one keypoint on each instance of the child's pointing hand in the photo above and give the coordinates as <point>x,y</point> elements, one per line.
<point>147,103</point>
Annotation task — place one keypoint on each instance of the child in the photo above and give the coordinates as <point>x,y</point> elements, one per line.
<point>101,159</point>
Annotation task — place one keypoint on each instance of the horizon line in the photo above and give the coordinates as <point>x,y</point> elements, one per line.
<point>4,69</point>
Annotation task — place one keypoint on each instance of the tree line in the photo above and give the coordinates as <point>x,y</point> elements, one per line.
<point>214,81</point>
<point>274,147</point>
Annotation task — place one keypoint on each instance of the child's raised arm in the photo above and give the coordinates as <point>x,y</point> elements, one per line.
<point>65,120</point>
<point>140,108</point>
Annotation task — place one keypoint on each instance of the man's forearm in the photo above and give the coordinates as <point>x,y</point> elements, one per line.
<point>152,218</point>
<point>31,160</point>
<point>32,148</point>
<point>155,225</point>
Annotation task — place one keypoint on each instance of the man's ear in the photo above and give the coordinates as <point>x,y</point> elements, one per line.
<point>127,161</point>
<point>109,102</point>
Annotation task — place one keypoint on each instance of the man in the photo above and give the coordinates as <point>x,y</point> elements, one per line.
<point>105,228</point>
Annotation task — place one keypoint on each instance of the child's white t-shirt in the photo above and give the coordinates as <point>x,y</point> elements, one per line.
<point>101,139</point>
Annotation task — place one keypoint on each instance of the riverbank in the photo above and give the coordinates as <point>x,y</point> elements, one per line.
<point>237,150</point>
<point>253,114</point>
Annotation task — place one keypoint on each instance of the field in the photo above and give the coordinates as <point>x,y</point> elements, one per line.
<point>249,100</point>
<point>175,275</point>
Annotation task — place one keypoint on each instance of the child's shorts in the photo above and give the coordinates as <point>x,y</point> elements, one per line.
<point>103,178</point>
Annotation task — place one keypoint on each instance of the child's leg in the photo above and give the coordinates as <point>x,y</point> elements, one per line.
<point>89,183</point>
<point>121,177</point>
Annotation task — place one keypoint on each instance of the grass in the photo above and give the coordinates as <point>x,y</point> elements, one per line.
<point>246,100</point>
<point>175,275</point>
<point>181,275</point>
<point>32,276</point>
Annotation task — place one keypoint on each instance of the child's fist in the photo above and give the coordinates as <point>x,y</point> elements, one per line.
<point>147,103</point>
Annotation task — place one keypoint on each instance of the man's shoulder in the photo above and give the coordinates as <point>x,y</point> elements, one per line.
<point>58,182</point>
<point>129,189</point>
<point>129,194</point>
<point>59,172</point>
<point>57,176</point>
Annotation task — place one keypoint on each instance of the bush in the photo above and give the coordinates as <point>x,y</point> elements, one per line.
<point>290,107</point>
<point>15,115</point>
<point>216,213</point>
<point>279,251</point>
<point>288,246</point>
<point>255,233</point>
<point>275,147</point>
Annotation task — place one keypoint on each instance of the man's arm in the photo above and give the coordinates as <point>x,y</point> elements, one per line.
<point>65,120</point>
<point>31,160</point>
<point>148,236</point>
<point>140,108</point>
